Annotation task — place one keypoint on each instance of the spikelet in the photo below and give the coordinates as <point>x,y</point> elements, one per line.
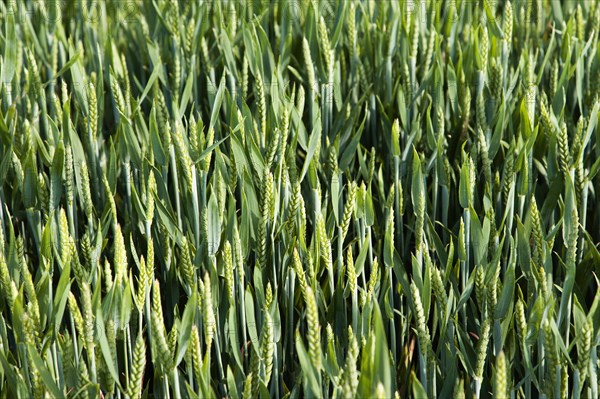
<point>545,116</point>
<point>462,239</point>
<point>311,272</point>
<point>563,148</point>
<point>205,53</point>
<point>490,214</point>
<point>550,351</point>
<point>238,255</point>
<point>244,79</point>
<point>78,269</point>
<point>309,65</point>
<point>208,311</point>
<point>553,79</point>
<point>69,175</point>
<point>194,352</point>
<point>459,389</point>
<point>325,45</point>
<point>76,313</point>
<point>247,394</point>
<point>302,97</point>
<point>350,372</point>
<point>485,160</point>
<point>564,382</point>
<point>537,232</point>
<point>389,203</point>
<point>30,337</point>
<point>480,287</point>
<point>492,292</point>
<point>220,190</point>
<point>580,180</point>
<point>267,346</point>
<point>88,316</point>
<point>112,344</point>
<point>210,138</point>
<point>297,264</point>
<point>351,24</point>
<point>373,279</point>
<point>481,114</point>
<point>420,220</point>
<point>151,191</point>
<point>228,266</point>
<point>255,371</point>
<point>86,193</point>
<point>350,270</point>
<point>430,48</point>
<point>584,349</point>
<point>508,174</point>
<point>18,170</point>
<point>65,238</point>
<point>422,329</point>
<point>117,94</point>
<point>273,148</point>
<point>172,339</point>
<point>379,391</point>
<point>176,75</point>
<point>414,39</point>
<point>285,130</point>
<point>165,241</point>
<point>330,338</point>
<point>314,330</point>
<point>540,274</point>
<point>496,80</point>
<point>8,286</point>
<point>158,330</point>
<point>520,320</point>
<point>193,136</point>
<point>363,298</point>
<point>268,296</point>
<point>187,268</point>
<point>371,165</point>
<point>150,264</point>
<point>578,139</point>
<point>189,36</point>
<point>364,71</point>
<point>324,243</point>
<point>83,378</point>
<point>111,201</point>
<point>438,286</point>
<point>267,198</point>
<point>484,49</point>
<point>472,179</point>
<point>183,155</point>
<point>482,347</point>
<point>135,383</point>
<point>466,110</point>
<point>507,27</point>
<point>294,205</point>
<point>261,106</point>
<point>43,194</point>
<point>120,257</point>
<point>580,23</point>
<point>127,94</point>
<point>29,286</point>
<point>140,296</point>
<point>232,20</point>
<point>233,174</point>
<point>501,378</point>
<point>34,76</point>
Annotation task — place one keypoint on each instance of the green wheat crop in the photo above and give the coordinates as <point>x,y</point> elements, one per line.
<point>292,198</point>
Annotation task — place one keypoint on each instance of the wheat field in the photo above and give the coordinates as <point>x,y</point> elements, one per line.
<point>299,199</point>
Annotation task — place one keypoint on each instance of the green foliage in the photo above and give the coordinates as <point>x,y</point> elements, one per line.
<point>293,199</point>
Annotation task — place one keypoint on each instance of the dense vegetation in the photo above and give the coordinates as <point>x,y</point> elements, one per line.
<point>299,198</point>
